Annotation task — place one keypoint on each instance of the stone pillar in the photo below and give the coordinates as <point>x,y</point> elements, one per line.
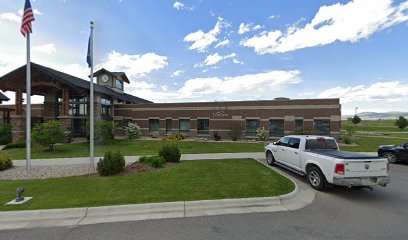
<point>66,122</point>
<point>308,127</point>
<point>289,125</point>
<point>65,102</point>
<point>50,106</point>
<point>18,131</point>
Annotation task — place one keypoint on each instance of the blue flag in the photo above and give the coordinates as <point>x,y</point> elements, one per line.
<point>88,56</point>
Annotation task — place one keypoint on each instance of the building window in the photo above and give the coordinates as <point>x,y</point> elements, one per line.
<point>77,106</point>
<point>106,108</point>
<point>169,126</point>
<point>154,126</point>
<point>276,127</point>
<point>299,126</point>
<point>184,127</point>
<point>119,84</point>
<point>251,125</point>
<point>322,126</point>
<point>126,122</point>
<point>203,126</point>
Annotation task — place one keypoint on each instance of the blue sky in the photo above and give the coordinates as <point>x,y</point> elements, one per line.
<point>213,50</point>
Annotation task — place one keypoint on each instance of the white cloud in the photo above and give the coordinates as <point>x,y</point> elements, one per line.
<point>236,61</point>
<point>181,6</point>
<point>35,11</point>
<point>176,73</point>
<point>12,17</point>
<point>223,43</point>
<point>239,87</point>
<point>142,85</point>
<point>348,22</point>
<point>215,58</point>
<point>247,27</point>
<point>244,87</point>
<point>305,94</point>
<point>393,91</point>
<point>45,48</point>
<point>164,88</point>
<point>201,41</point>
<point>135,65</point>
<point>274,17</point>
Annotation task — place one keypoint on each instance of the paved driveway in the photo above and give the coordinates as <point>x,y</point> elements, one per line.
<point>339,213</point>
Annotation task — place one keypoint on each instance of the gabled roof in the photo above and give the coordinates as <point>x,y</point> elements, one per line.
<point>72,81</point>
<point>3,97</point>
<point>121,75</point>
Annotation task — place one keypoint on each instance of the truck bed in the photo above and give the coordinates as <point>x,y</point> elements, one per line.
<point>342,154</point>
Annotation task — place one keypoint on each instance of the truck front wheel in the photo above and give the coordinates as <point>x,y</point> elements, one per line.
<point>270,159</point>
<point>316,178</point>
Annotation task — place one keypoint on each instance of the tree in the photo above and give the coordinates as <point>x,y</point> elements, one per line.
<point>401,123</point>
<point>48,134</point>
<point>356,120</point>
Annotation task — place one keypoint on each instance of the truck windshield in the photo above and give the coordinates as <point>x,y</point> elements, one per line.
<point>321,144</point>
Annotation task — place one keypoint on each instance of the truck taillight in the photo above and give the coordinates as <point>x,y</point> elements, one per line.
<point>339,169</point>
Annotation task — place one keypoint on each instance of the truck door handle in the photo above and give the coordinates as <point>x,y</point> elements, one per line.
<point>295,152</point>
<point>283,149</point>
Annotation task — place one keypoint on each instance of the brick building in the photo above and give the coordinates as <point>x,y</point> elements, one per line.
<point>67,98</point>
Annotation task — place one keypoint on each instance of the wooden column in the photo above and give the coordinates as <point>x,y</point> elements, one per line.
<point>65,102</point>
<point>19,102</point>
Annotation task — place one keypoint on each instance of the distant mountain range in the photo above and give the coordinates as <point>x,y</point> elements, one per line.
<point>375,115</point>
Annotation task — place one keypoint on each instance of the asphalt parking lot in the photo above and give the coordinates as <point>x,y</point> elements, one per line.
<point>338,213</point>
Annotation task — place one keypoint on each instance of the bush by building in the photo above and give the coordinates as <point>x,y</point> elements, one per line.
<point>103,131</point>
<point>170,152</point>
<point>48,134</point>
<point>5,162</point>
<point>262,134</point>
<point>5,134</point>
<point>177,137</point>
<point>18,144</point>
<point>112,163</point>
<point>216,136</point>
<point>133,131</point>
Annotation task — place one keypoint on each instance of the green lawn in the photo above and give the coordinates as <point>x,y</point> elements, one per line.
<point>136,148</point>
<point>374,126</point>
<point>186,181</point>
<point>370,144</point>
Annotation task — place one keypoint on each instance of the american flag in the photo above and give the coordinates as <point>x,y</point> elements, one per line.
<point>28,17</point>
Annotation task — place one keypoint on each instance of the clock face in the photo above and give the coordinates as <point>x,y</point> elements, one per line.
<point>105,78</point>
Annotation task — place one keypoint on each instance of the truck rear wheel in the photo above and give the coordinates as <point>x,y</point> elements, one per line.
<point>316,178</point>
<point>270,159</point>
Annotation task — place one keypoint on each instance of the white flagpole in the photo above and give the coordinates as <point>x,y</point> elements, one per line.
<point>91,102</point>
<point>28,107</point>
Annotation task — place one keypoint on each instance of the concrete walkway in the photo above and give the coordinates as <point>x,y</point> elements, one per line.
<point>302,196</point>
<point>132,159</point>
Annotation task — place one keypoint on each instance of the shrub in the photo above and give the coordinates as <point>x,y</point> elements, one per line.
<point>133,131</point>
<point>347,139</point>
<point>216,136</point>
<point>356,120</point>
<point>401,123</point>
<point>5,162</point>
<point>48,134</point>
<point>262,134</point>
<point>5,134</point>
<point>154,161</point>
<point>177,137</point>
<point>112,163</point>
<point>170,152</point>
<point>235,132</point>
<point>103,131</point>
<point>18,144</point>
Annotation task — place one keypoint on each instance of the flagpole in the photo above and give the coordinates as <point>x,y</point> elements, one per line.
<point>28,107</point>
<point>91,115</point>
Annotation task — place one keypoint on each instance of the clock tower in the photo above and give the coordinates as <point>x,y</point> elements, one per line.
<point>113,80</point>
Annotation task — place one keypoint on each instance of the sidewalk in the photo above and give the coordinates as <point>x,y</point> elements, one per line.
<point>132,159</point>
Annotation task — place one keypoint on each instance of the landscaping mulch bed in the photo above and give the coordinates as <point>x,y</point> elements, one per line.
<point>137,167</point>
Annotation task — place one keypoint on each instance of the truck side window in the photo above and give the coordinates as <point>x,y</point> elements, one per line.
<point>294,143</point>
<point>283,142</point>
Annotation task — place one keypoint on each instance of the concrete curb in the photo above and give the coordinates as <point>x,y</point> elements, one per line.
<point>93,215</point>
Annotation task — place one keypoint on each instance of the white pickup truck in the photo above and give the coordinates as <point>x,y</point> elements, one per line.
<point>320,159</point>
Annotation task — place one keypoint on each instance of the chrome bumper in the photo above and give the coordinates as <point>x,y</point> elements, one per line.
<point>362,181</point>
